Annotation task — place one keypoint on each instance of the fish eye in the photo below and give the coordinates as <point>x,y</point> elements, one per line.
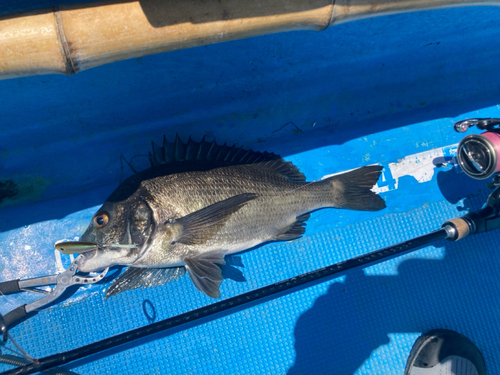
<point>101,220</point>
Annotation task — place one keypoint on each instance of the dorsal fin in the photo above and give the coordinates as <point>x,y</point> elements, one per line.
<point>219,155</point>
<point>179,151</point>
<point>179,157</point>
<point>285,168</point>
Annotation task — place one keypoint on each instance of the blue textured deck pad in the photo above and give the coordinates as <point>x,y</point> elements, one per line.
<point>363,323</point>
<point>373,91</point>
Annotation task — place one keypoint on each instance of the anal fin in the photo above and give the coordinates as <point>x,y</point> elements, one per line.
<point>135,277</point>
<point>205,273</point>
<point>296,230</point>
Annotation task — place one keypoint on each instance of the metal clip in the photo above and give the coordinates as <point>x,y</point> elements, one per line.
<point>481,123</point>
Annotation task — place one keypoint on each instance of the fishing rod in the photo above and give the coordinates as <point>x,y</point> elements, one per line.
<point>484,220</point>
<point>479,157</point>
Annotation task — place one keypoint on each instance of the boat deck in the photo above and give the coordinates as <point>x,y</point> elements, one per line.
<point>382,91</point>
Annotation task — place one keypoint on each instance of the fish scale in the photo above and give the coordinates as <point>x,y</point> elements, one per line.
<point>278,203</point>
<point>189,214</point>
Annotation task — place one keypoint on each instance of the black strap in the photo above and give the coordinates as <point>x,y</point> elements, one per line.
<point>9,287</point>
<point>13,317</point>
<point>3,329</point>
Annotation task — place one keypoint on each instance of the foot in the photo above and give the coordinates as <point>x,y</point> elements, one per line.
<point>444,352</point>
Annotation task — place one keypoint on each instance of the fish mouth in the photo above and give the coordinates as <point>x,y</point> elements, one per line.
<point>106,256</point>
<point>85,258</point>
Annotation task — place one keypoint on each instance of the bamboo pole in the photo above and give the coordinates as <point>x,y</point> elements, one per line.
<point>68,39</point>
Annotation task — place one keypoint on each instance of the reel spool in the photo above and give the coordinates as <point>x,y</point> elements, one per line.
<point>479,154</point>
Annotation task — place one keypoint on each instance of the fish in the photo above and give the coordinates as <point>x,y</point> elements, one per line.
<point>199,202</point>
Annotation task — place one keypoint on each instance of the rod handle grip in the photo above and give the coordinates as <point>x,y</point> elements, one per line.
<point>461,227</point>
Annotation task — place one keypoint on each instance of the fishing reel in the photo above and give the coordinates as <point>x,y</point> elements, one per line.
<point>479,154</point>
<point>479,157</point>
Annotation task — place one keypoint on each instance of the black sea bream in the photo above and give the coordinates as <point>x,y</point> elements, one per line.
<point>199,202</point>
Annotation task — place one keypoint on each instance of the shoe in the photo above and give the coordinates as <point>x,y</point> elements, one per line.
<point>444,352</point>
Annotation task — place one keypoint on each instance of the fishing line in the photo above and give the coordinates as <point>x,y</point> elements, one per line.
<point>21,350</point>
<point>15,360</point>
<point>129,163</point>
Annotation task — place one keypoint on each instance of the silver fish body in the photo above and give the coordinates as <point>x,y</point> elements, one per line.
<point>193,219</point>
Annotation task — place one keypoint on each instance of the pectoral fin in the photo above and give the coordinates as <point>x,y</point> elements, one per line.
<point>135,277</point>
<point>205,273</point>
<point>200,226</point>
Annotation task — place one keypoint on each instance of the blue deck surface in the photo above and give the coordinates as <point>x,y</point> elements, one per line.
<point>371,91</point>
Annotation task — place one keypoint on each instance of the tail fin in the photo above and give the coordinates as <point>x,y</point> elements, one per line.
<point>353,189</point>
